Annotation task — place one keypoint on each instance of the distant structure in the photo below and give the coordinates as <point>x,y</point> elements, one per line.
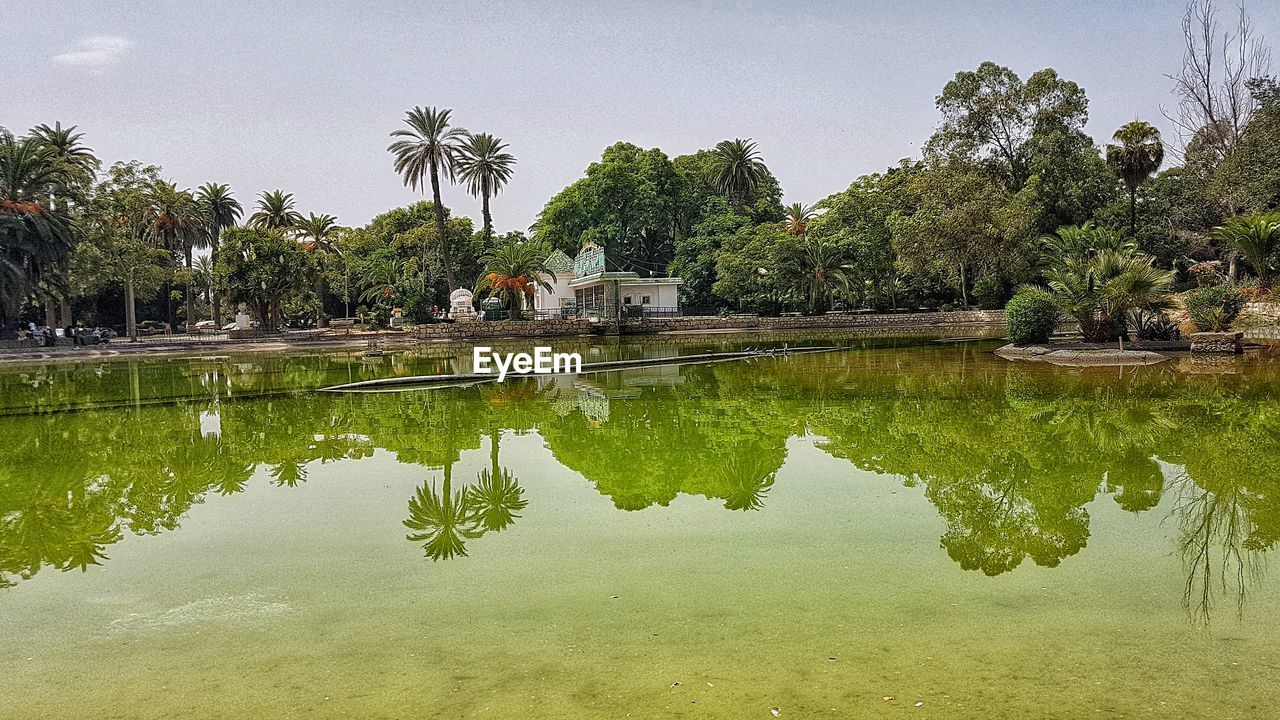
<point>460,307</point>
<point>586,285</point>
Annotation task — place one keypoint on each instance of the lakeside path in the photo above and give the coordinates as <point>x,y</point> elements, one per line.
<point>905,324</point>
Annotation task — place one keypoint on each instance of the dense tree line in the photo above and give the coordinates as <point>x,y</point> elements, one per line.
<point>965,224</point>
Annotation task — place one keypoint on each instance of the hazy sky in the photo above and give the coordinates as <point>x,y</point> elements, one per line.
<point>301,96</point>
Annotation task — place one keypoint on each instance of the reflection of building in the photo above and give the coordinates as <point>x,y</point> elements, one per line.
<point>596,391</point>
<point>586,285</point>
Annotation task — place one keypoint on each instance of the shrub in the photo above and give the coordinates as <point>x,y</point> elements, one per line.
<point>1031,316</point>
<point>1153,325</point>
<point>1214,308</point>
<point>989,292</point>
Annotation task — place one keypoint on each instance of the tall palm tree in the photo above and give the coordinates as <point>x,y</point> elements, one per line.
<point>1255,236</point>
<point>35,235</point>
<point>80,166</point>
<point>275,212</point>
<point>484,165</point>
<point>513,271</point>
<point>222,211</point>
<point>736,170</point>
<point>1135,157</point>
<point>78,161</point>
<point>317,232</point>
<point>422,152</point>
<point>799,216</point>
<point>176,222</point>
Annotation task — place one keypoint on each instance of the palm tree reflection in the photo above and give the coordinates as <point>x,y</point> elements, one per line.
<point>443,521</point>
<point>745,480</point>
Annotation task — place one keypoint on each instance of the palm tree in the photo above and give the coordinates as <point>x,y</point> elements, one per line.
<point>176,222</point>
<point>65,144</point>
<point>80,166</point>
<point>1255,236</point>
<point>275,212</point>
<point>204,275</point>
<point>1102,278</point>
<point>35,235</point>
<point>381,278</point>
<point>736,171</point>
<point>513,271</point>
<point>421,153</point>
<point>823,269</point>
<point>316,232</point>
<point>482,163</point>
<point>799,216</point>
<point>1135,158</point>
<point>222,211</point>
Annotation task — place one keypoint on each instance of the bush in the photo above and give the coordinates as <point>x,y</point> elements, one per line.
<point>989,292</point>
<point>1031,317</point>
<point>1153,325</point>
<point>1214,308</point>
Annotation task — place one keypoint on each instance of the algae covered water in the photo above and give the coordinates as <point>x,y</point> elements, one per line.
<point>902,529</point>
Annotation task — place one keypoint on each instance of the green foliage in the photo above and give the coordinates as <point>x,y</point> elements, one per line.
<point>990,293</point>
<point>1255,236</point>
<point>264,270</point>
<point>1031,316</point>
<point>1153,325</point>
<point>514,271</point>
<point>1097,277</point>
<point>1214,308</point>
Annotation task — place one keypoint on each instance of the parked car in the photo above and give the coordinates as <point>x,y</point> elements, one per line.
<point>206,325</point>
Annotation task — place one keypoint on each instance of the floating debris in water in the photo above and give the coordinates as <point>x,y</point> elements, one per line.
<point>777,712</point>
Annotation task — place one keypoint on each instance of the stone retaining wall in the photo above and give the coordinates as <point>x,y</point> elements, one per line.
<point>502,328</point>
<point>1268,309</point>
<point>885,320</point>
<point>582,326</point>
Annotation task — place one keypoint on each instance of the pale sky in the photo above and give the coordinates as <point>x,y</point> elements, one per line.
<point>302,95</point>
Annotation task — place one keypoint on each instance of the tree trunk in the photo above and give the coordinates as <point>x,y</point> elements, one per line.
<point>1133,212</point>
<point>445,255</point>
<point>488,221</point>
<point>191,307</point>
<point>213,291</point>
<point>130,310</point>
<point>49,319</point>
<point>1233,267</point>
<point>64,312</point>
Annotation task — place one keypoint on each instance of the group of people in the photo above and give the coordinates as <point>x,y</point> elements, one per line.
<point>46,336</point>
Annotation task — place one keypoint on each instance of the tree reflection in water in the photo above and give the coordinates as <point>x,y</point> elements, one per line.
<point>1010,456</point>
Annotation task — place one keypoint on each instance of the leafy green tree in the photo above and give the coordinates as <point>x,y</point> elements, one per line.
<point>750,272</point>
<point>963,224</point>
<point>990,116</point>
<point>482,162</point>
<point>262,269</point>
<point>1135,157</point>
<point>736,171</point>
<point>274,211</point>
<point>627,203</point>
<point>422,152</point>
<point>1255,236</point>
<point>222,211</point>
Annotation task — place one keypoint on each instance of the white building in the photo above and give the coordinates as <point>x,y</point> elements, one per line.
<point>585,286</point>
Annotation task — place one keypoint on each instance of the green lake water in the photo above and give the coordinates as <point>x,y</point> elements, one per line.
<point>839,535</point>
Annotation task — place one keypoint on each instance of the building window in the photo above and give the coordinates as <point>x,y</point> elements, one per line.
<point>626,299</point>
<point>645,300</point>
